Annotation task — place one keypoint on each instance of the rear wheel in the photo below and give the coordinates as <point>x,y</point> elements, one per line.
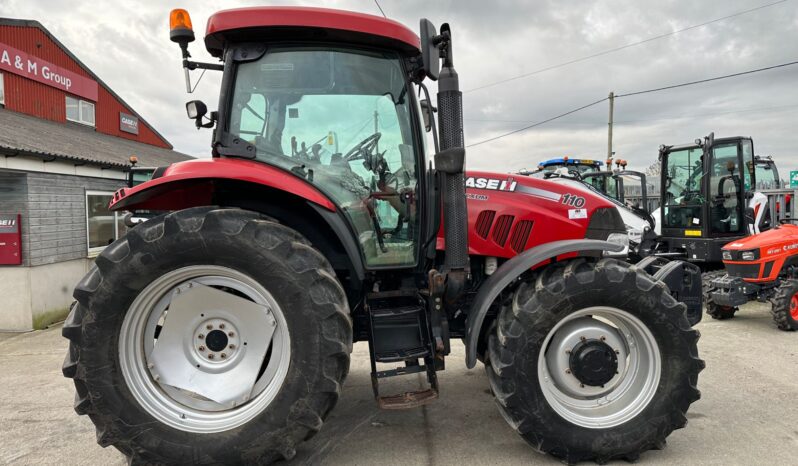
<point>208,336</point>
<point>594,361</point>
<point>785,305</point>
<point>714,310</point>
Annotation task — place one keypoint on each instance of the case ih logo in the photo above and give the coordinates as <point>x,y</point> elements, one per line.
<point>491,183</point>
<point>8,222</point>
<point>28,66</point>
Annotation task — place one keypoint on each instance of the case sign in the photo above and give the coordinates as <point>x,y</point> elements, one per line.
<point>20,63</point>
<point>128,123</point>
<point>10,240</point>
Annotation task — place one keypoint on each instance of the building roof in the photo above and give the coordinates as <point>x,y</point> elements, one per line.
<point>35,24</point>
<point>22,134</point>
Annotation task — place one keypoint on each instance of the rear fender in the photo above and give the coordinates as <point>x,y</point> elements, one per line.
<point>192,183</point>
<point>510,271</point>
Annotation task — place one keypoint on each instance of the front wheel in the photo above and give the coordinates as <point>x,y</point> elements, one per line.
<point>208,336</point>
<point>785,305</point>
<point>594,361</point>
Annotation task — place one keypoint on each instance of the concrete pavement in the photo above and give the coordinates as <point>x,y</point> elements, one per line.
<point>747,414</point>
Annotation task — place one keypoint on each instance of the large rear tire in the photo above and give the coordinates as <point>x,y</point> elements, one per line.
<point>256,299</point>
<point>594,361</point>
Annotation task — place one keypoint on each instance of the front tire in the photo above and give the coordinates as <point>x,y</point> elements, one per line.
<point>128,313</point>
<point>594,361</point>
<point>785,305</point>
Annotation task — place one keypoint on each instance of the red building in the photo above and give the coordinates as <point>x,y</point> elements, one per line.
<point>65,143</point>
<point>42,78</point>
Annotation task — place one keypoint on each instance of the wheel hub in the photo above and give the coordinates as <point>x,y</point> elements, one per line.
<point>216,340</point>
<point>593,362</point>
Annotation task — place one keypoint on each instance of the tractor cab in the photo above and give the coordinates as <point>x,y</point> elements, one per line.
<point>766,173</point>
<point>615,183</point>
<point>704,190</point>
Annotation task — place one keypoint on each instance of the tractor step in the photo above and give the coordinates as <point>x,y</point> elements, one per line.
<point>408,400</point>
<point>400,333</point>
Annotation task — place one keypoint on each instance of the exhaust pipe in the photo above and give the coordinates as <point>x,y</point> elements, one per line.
<point>450,162</point>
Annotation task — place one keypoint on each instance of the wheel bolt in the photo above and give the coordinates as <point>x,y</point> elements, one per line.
<point>231,334</point>
<point>223,355</point>
<point>210,356</point>
<point>567,371</point>
<point>200,336</point>
<point>617,352</point>
<point>201,348</point>
<point>603,338</point>
<point>221,326</point>
<point>567,351</point>
<point>232,347</point>
<point>209,327</point>
<point>583,338</point>
<point>581,385</point>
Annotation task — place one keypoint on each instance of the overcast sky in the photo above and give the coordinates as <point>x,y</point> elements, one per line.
<point>126,44</point>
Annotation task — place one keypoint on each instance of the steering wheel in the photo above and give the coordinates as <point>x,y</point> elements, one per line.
<point>364,148</point>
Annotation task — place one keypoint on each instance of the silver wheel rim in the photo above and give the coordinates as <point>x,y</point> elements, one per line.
<point>180,403</point>
<point>621,398</point>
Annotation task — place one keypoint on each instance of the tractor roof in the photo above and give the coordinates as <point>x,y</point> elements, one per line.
<point>303,24</point>
<point>571,162</point>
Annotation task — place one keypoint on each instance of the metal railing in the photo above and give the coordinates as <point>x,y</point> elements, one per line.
<point>781,203</point>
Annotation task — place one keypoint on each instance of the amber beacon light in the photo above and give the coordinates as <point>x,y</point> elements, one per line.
<point>180,29</point>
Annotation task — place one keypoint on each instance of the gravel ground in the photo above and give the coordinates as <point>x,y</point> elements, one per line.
<point>746,414</point>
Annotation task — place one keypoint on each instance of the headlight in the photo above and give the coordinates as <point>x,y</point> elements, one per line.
<point>621,239</point>
<point>727,255</point>
<point>749,255</point>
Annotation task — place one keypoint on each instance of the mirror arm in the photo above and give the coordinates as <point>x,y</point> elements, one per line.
<point>431,115</point>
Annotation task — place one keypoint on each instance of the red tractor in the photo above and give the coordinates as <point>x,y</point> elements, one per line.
<point>220,331</point>
<point>763,267</point>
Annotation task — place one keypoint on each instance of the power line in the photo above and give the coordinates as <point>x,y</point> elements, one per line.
<point>538,123</point>
<point>383,13</point>
<point>707,80</point>
<point>632,94</point>
<point>618,122</point>
<point>616,49</point>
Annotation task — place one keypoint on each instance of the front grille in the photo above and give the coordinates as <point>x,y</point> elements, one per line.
<point>521,235</point>
<point>502,229</point>
<point>484,222</point>
<point>743,270</point>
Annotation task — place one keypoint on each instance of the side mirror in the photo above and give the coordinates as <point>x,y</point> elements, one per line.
<point>426,112</point>
<point>430,55</point>
<point>196,109</point>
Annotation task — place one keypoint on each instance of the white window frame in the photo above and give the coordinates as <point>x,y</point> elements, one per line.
<point>2,89</point>
<point>92,252</point>
<point>81,105</point>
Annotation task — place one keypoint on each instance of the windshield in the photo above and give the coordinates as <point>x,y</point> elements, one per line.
<point>341,120</point>
<point>683,194</point>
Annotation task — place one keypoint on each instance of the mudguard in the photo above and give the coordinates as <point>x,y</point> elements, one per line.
<point>511,270</point>
<point>683,280</point>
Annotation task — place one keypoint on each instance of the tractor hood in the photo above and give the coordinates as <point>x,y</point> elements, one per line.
<point>508,214</point>
<point>773,242</point>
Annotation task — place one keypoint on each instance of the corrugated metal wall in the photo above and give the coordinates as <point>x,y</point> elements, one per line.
<point>34,98</point>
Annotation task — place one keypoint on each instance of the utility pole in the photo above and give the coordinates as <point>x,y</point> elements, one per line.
<point>376,129</point>
<point>609,125</point>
